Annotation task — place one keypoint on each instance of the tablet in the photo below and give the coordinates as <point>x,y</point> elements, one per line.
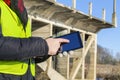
<point>75,42</point>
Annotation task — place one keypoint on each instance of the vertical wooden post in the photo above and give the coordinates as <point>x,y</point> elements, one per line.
<point>114,16</point>
<point>63,62</point>
<point>94,61</point>
<point>103,15</point>
<point>74,4</point>
<point>90,9</point>
<point>93,57</point>
<point>68,62</point>
<point>50,59</point>
<point>83,50</point>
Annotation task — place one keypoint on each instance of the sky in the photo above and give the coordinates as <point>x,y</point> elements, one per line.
<point>108,38</point>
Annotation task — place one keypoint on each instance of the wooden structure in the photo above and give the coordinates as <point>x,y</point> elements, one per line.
<point>50,18</point>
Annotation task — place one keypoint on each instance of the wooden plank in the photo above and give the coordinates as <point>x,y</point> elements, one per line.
<point>53,75</point>
<point>68,61</point>
<point>78,63</point>
<point>83,63</point>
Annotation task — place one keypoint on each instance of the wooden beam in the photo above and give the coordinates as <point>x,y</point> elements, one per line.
<point>50,59</point>
<point>68,62</point>
<point>93,59</point>
<point>60,24</point>
<point>78,63</point>
<point>83,50</point>
<point>53,75</point>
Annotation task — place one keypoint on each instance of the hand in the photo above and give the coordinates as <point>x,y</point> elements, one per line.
<point>54,44</point>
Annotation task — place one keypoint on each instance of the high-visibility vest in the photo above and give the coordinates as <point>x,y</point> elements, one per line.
<point>12,27</point>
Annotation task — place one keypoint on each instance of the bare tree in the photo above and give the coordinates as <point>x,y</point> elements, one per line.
<point>104,55</point>
<point>118,57</point>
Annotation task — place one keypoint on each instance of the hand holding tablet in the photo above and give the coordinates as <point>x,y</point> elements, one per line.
<point>75,42</point>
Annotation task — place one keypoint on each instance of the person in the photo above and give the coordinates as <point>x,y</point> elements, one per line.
<point>19,51</point>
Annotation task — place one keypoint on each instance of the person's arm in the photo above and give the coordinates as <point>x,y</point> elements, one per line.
<point>22,48</point>
<point>54,45</point>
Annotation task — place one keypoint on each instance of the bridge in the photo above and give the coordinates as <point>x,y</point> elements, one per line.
<point>50,18</point>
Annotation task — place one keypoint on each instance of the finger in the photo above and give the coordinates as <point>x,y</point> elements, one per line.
<point>62,40</point>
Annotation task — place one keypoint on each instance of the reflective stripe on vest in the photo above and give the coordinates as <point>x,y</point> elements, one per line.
<point>11,26</point>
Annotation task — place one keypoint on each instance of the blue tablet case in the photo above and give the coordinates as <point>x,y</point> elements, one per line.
<point>75,42</point>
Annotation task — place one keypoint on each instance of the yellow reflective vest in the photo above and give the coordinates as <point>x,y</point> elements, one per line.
<point>11,26</point>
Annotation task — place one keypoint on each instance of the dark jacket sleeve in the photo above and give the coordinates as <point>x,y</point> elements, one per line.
<point>41,59</point>
<point>22,48</point>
